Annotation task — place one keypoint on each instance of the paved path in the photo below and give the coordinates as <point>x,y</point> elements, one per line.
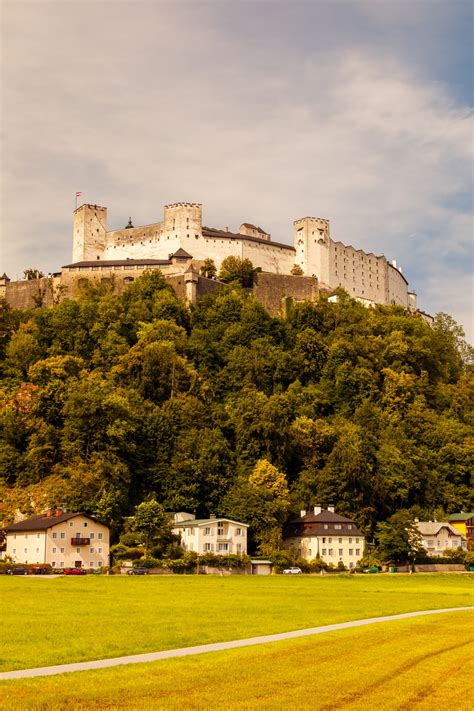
<point>215,647</point>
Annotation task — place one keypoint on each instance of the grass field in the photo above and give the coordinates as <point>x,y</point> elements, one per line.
<point>423,664</point>
<point>56,621</point>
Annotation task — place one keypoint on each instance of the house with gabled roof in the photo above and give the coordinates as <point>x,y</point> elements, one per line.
<point>327,535</point>
<point>59,538</point>
<point>221,536</point>
<point>437,537</point>
<point>464,522</point>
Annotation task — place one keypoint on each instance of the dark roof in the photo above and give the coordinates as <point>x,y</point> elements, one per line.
<point>253,227</point>
<point>42,522</point>
<point>118,263</point>
<point>181,253</point>
<point>322,524</point>
<point>222,234</point>
<point>4,276</point>
<point>461,516</point>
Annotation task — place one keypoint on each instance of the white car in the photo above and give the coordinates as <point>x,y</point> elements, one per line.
<point>292,571</point>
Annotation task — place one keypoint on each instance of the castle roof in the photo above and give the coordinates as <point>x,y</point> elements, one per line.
<point>253,227</point>
<point>181,253</point>
<point>222,234</point>
<point>118,263</point>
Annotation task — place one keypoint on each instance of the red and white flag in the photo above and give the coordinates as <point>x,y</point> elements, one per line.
<point>78,194</point>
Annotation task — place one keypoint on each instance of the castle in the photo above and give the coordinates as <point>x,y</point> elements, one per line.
<point>180,243</point>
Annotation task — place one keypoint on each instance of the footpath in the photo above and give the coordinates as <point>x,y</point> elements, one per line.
<point>216,646</point>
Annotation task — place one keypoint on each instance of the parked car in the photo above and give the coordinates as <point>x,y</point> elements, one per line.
<point>292,571</point>
<point>18,570</point>
<point>74,571</point>
<point>372,569</point>
<point>138,571</point>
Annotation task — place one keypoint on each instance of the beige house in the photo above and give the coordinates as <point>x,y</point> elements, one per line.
<point>439,537</point>
<point>210,535</point>
<point>327,535</point>
<point>60,539</point>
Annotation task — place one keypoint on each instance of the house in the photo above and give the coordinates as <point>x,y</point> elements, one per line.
<point>60,539</point>
<point>464,522</point>
<point>210,535</point>
<point>327,535</point>
<point>439,536</point>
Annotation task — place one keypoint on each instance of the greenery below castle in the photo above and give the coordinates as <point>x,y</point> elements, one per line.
<point>109,400</point>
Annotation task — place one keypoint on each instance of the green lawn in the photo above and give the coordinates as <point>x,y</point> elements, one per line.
<point>56,621</point>
<point>424,664</point>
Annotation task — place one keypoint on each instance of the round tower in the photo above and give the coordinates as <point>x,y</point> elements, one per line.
<point>183,218</point>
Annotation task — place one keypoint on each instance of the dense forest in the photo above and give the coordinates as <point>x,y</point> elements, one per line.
<point>111,400</point>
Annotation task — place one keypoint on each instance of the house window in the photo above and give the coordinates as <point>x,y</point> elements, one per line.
<point>238,531</point>
<point>38,535</point>
<point>99,550</point>
<point>357,540</point>
<point>26,550</point>
<point>223,547</point>
<point>85,524</point>
<point>357,551</point>
<point>78,550</point>
<point>62,550</point>
<point>220,530</point>
<point>351,551</point>
<point>207,532</point>
<point>54,550</point>
<point>329,540</point>
<point>326,526</point>
<point>323,551</point>
<point>337,526</point>
<point>55,535</point>
<point>341,551</point>
<point>92,536</point>
<point>71,524</point>
<point>91,550</point>
<point>91,564</point>
<point>208,547</point>
<point>53,563</point>
<point>340,540</point>
<point>239,548</point>
<point>331,551</point>
<point>14,550</point>
<point>324,539</point>
<point>99,536</point>
<point>63,535</point>
<point>309,551</point>
<point>61,565</point>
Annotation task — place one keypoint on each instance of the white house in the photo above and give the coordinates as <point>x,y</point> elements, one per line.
<point>60,539</point>
<point>327,535</point>
<point>438,537</point>
<point>210,535</point>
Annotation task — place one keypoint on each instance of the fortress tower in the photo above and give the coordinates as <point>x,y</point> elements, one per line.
<point>90,227</point>
<point>183,218</point>
<point>312,245</point>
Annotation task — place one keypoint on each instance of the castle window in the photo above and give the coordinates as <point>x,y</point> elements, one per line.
<point>128,279</point>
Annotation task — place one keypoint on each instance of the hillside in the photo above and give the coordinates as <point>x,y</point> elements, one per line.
<point>110,398</point>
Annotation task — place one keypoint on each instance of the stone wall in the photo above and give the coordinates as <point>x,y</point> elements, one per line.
<point>272,290</point>
<point>31,293</point>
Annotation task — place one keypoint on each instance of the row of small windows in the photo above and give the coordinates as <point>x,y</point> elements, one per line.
<point>98,563</point>
<point>330,551</point>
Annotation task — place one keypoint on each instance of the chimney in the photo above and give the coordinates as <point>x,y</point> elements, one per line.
<point>317,510</point>
<point>49,512</point>
<point>302,513</point>
<point>212,517</point>
<point>331,508</point>
<point>58,511</point>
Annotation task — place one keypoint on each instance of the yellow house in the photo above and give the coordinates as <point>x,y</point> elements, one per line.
<point>60,539</point>
<point>464,522</point>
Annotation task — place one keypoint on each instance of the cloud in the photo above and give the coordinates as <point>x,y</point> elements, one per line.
<point>261,116</point>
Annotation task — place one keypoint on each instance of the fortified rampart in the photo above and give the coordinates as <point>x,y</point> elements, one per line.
<point>180,242</point>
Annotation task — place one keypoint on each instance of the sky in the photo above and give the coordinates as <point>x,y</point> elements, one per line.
<point>358,111</point>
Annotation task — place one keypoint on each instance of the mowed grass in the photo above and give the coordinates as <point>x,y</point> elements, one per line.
<point>424,664</point>
<point>56,621</point>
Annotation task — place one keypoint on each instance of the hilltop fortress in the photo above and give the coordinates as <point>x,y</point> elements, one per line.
<point>180,243</point>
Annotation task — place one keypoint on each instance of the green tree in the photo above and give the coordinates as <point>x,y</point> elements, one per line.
<point>399,538</point>
<point>151,522</point>
<point>234,269</point>
<point>208,268</point>
<point>30,274</point>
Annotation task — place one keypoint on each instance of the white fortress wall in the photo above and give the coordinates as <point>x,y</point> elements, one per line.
<point>311,238</point>
<point>397,287</point>
<point>362,275</point>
